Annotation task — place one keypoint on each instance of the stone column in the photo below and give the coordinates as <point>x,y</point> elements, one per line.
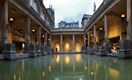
<point>39,36</point>
<point>129,24</point>
<point>39,40</point>
<point>5,22</point>
<point>84,40</point>
<point>88,41</point>
<point>61,42</point>
<point>45,44</point>
<point>125,44</point>
<point>73,42</point>
<point>50,40</point>
<point>27,34</point>
<point>45,39</point>
<point>106,29</point>
<point>95,37</point>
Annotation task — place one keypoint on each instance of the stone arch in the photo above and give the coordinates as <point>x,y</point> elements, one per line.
<point>67,46</point>
<point>78,46</point>
<point>56,46</point>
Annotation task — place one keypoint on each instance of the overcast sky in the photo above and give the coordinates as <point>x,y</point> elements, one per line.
<point>71,10</point>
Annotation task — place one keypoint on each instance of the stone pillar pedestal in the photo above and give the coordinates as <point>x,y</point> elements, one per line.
<point>42,50</point>
<point>91,51</point>
<point>9,51</point>
<point>45,44</point>
<point>32,51</point>
<point>105,49</point>
<point>38,49</point>
<point>45,49</point>
<point>125,49</point>
<point>126,45</point>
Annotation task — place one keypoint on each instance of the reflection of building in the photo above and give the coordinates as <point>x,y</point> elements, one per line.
<point>64,24</point>
<point>26,26</point>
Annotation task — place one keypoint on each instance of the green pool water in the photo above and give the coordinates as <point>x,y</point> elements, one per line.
<point>67,67</point>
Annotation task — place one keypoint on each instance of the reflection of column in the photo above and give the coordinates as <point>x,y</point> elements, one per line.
<point>95,37</point>
<point>129,31</point>
<point>88,40</point>
<point>106,28</point>
<point>89,66</point>
<point>61,63</point>
<point>39,36</point>
<point>61,42</point>
<point>106,72</point>
<point>27,34</point>
<point>95,70</point>
<point>5,22</point>
<point>73,57</point>
<point>73,42</point>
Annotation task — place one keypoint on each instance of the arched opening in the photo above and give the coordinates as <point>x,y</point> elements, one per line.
<point>57,47</point>
<point>78,46</point>
<point>67,46</point>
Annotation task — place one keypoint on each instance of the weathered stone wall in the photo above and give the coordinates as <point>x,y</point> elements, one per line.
<point>115,27</point>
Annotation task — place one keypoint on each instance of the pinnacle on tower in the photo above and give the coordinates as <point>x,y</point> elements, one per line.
<point>94,6</point>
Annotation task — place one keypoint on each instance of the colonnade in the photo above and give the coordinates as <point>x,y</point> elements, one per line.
<point>8,47</point>
<point>73,42</point>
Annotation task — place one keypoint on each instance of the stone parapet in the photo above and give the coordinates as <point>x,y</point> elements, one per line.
<point>32,51</point>
<point>104,50</point>
<point>38,49</point>
<point>125,49</point>
<point>9,52</point>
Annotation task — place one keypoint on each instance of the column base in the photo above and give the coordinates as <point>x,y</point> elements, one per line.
<point>45,49</point>
<point>38,50</point>
<point>32,51</point>
<point>49,50</point>
<point>9,52</point>
<point>42,50</point>
<point>104,50</point>
<point>84,49</point>
<point>125,49</point>
<point>91,51</point>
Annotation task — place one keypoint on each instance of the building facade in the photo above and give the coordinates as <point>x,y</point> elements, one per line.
<point>64,24</point>
<point>27,29</point>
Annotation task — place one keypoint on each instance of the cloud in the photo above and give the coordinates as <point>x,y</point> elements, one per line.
<point>71,10</point>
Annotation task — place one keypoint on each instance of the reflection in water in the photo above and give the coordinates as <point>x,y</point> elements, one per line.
<point>14,77</point>
<point>58,59</point>
<point>114,73</point>
<point>67,59</point>
<point>49,68</point>
<point>67,67</point>
<point>43,74</point>
<point>78,58</point>
<point>92,73</point>
<point>86,68</point>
